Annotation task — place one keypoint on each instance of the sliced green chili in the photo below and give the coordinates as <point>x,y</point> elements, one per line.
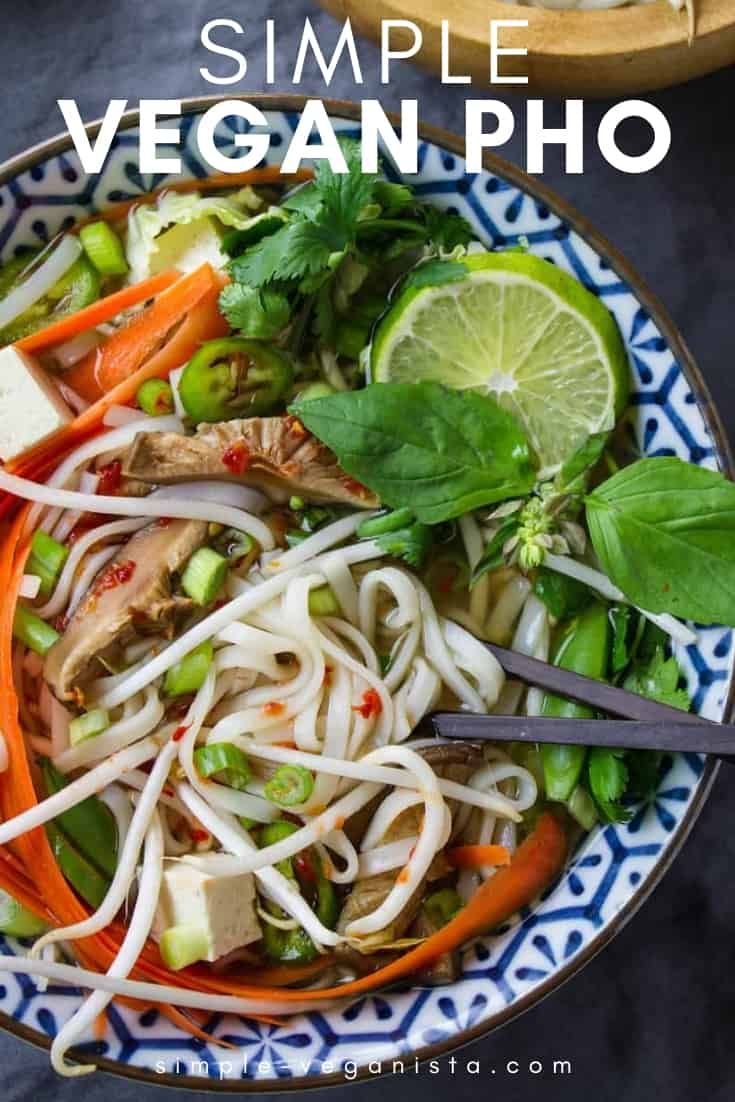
<point>234,377</point>
<point>155,397</point>
<point>225,758</point>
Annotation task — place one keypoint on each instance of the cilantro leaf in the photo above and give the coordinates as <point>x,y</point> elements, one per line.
<point>392,198</point>
<point>343,194</point>
<point>446,230</point>
<point>259,313</point>
<point>658,679</point>
<point>410,544</point>
<point>607,776</point>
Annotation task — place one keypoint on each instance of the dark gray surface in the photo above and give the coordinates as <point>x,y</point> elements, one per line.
<point>653,1015</point>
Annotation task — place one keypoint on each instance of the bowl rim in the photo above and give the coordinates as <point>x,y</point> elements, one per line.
<point>498,166</point>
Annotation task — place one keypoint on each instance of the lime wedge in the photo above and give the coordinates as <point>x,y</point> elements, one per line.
<point>518,328</point>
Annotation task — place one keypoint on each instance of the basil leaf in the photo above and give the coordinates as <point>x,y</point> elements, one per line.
<point>492,557</point>
<point>438,451</point>
<point>570,477</point>
<point>664,531</point>
<point>564,597</point>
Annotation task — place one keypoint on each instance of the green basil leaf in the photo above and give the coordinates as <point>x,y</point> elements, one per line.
<point>664,531</point>
<point>570,477</point>
<point>438,451</point>
<point>492,556</point>
<point>563,596</point>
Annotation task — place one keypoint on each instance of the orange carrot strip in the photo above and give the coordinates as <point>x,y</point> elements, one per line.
<point>128,349</point>
<point>98,312</point>
<point>474,857</point>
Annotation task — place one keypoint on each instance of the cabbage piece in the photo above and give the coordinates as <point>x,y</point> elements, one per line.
<point>146,223</point>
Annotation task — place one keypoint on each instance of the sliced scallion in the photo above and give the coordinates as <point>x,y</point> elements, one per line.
<point>204,575</point>
<point>33,631</point>
<point>183,945</point>
<point>383,523</point>
<point>188,675</point>
<point>88,725</point>
<point>225,758</point>
<point>104,248</point>
<point>323,602</point>
<point>46,560</point>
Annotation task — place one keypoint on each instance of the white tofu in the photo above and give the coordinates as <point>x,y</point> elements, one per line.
<point>223,906</point>
<point>187,247</point>
<point>31,407</point>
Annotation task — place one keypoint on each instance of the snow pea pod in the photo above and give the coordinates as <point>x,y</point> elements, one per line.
<point>583,647</point>
<point>89,826</point>
<point>86,880</point>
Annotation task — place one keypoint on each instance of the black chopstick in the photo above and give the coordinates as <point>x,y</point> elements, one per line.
<point>628,734</point>
<point>644,724</point>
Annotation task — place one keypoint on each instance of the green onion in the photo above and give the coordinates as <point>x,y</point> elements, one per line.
<point>88,725</point>
<point>295,536</point>
<point>204,575</point>
<point>296,504</point>
<point>225,758</point>
<point>188,675</point>
<point>246,823</point>
<point>104,248</point>
<point>183,945</point>
<point>155,397</point>
<point>33,631</point>
<point>385,522</point>
<point>17,921</point>
<point>46,560</point>
<point>289,785</point>
<point>323,602</point>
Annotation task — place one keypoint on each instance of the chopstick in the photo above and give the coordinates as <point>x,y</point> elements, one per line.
<point>627,734</point>
<point>644,723</point>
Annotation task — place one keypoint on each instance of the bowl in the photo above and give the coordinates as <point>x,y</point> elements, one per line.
<point>615,867</point>
<point>596,54</point>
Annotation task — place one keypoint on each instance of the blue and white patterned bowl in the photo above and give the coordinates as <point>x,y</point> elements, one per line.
<point>615,867</point>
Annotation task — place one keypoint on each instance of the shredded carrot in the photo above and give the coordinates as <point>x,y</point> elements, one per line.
<point>474,857</point>
<point>256,177</point>
<point>133,347</point>
<point>98,312</point>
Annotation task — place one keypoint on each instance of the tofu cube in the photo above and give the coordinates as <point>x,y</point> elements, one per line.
<point>224,906</point>
<point>31,407</point>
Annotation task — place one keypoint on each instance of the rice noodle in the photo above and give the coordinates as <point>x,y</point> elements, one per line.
<point>138,507</point>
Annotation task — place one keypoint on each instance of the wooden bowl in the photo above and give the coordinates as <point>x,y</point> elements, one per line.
<point>596,54</point>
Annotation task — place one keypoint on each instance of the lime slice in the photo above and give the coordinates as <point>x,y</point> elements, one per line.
<point>518,328</point>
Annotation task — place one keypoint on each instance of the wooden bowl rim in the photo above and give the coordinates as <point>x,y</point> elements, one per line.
<point>574,34</point>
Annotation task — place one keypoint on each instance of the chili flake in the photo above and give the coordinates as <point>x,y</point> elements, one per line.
<point>371,705</point>
<point>109,478</point>
<point>117,574</point>
<point>236,457</point>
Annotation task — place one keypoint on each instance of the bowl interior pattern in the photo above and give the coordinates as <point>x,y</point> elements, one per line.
<point>612,867</point>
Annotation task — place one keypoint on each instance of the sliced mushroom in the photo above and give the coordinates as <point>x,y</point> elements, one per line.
<point>276,454</point>
<point>134,591</point>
